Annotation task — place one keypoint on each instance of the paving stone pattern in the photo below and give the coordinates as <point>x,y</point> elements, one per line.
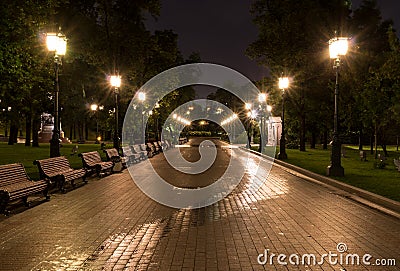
<point>109,224</point>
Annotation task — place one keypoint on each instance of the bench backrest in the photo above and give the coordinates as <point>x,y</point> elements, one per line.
<point>151,146</point>
<point>50,166</point>
<point>143,147</point>
<point>91,158</point>
<point>136,148</point>
<point>12,173</point>
<point>111,153</point>
<point>126,150</point>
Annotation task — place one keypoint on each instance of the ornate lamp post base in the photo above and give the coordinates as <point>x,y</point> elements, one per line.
<point>337,171</point>
<point>282,155</point>
<point>55,145</point>
<point>335,168</point>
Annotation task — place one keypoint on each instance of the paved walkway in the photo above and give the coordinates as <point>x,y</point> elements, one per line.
<point>109,224</point>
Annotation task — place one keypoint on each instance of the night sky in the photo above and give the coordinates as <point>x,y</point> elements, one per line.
<point>221,30</point>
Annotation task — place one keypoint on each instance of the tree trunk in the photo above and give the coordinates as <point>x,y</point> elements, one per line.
<point>35,131</point>
<point>372,143</point>
<point>86,130</point>
<point>28,129</point>
<point>325,140</point>
<point>313,140</point>
<point>376,141</point>
<point>360,144</point>
<point>13,134</point>
<point>303,133</point>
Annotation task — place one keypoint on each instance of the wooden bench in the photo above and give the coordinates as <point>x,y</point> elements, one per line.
<point>132,157</point>
<point>151,150</point>
<point>59,170</point>
<point>113,155</point>
<point>139,150</point>
<point>156,146</point>
<point>92,163</point>
<point>363,156</point>
<point>15,184</point>
<point>182,140</point>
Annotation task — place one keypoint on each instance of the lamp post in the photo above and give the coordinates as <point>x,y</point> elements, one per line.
<point>94,108</point>
<point>142,98</point>
<point>247,106</point>
<point>283,84</point>
<point>262,98</point>
<point>157,106</point>
<point>115,81</point>
<point>337,47</point>
<point>57,43</point>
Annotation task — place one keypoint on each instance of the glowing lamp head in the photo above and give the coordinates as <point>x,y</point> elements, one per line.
<point>141,96</point>
<point>56,43</point>
<point>283,82</point>
<point>93,107</point>
<point>115,81</point>
<point>247,106</point>
<point>262,97</point>
<point>338,47</point>
<point>99,138</point>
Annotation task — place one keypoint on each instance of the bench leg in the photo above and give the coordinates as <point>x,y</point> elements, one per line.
<point>3,205</point>
<point>62,185</point>
<point>46,194</point>
<point>26,202</point>
<point>84,179</point>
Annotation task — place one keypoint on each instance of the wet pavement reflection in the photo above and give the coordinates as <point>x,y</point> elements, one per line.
<point>110,225</point>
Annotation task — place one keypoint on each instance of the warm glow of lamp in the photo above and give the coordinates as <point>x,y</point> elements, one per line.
<point>269,108</point>
<point>99,138</point>
<point>56,43</point>
<point>247,106</point>
<point>93,107</point>
<point>262,97</point>
<point>141,96</point>
<point>283,82</point>
<point>115,81</point>
<point>338,47</point>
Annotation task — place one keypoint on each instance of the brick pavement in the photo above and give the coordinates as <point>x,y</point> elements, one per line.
<point>109,224</point>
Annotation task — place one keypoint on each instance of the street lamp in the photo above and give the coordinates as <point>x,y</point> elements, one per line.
<point>142,98</point>
<point>157,106</point>
<point>337,47</point>
<point>115,81</point>
<point>247,106</point>
<point>94,108</point>
<point>262,98</point>
<point>57,43</point>
<point>283,84</point>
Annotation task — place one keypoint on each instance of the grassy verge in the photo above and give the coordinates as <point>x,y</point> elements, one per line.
<point>385,182</point>
<point>18,153</point>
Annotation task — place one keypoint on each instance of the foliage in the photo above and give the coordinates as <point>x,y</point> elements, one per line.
<point>369,84</point>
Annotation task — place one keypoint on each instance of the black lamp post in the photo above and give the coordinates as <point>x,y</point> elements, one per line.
<point>337,47</point>
<point>115,81</point>
<point>142,98</point>
<point>283,84</point>
<point>249,118</point>
<point>262,98</point>
<point>56,43</point>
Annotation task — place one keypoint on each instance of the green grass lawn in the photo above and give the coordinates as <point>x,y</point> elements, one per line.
<point>385,182</point>
<point>26,155</point>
